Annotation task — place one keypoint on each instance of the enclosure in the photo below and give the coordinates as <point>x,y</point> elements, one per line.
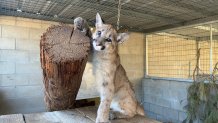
<point>167,40</point>
<point>171,58</point>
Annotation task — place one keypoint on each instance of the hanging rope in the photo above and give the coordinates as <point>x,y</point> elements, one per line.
<point>118,14</point>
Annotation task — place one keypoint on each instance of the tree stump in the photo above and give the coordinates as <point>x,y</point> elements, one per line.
<point>63,55</point>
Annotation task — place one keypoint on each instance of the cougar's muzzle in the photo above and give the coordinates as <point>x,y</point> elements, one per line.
<point>98,45</point>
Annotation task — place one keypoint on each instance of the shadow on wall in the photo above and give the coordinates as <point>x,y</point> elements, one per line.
<point>5,108</point>
<point>137,86</point>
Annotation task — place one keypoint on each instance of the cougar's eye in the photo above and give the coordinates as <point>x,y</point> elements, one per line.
<point>99,33</point>
<point>108,39</point>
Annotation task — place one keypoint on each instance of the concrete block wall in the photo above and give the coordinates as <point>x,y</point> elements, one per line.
<point>132,58</point>
<point>21,89</point>
<point>164,99</point>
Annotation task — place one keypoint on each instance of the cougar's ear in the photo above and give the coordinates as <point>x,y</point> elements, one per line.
<point>121,37</point>
<point>98,20</point>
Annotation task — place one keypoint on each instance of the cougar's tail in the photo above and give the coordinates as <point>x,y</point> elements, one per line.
<point>140,110</point>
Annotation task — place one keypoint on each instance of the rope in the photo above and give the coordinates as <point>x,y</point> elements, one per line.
<point>197,68</point>
<point>118,14</point>
<point>203,76</point>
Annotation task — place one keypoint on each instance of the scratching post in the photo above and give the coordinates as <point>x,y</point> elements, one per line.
<point>63,55</point>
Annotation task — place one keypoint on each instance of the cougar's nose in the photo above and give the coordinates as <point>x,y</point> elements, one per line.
<point>98,44</point>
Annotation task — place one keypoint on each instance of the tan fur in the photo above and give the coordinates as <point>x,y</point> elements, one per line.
<point>114,86</point>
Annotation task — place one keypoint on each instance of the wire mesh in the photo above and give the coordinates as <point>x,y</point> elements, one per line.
<point>173,53</point>
<point>136,15</point>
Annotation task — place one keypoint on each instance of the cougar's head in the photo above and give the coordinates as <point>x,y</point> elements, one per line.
<point>105,37</point>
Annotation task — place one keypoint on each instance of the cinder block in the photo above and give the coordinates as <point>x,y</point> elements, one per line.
<point>36,34</point>
<point>14,56</point>
<point>182,116</point>
<point>7,20</point>
<point>135,39</point>
<point>134,45</point>
<point>138,90</point>
<point>13,80</point>
<point>28,68</point>
<point>179,85</point>
<point>88,80</point>
<point>123,49</point>
<point>0,31</point>
<point>156,109</point>
<point>146,81</point>
<point>34,56</point>
<point>130,58</point>
<point>178,94</point>
<point>146,106</point>
<point>21,79</point>
<point>138,37</point>
<point>35,79</point>
<point>138,96</point>
<point>166,93</point>
<point>147,90</point>
<point>2,17</point>
<point>136,50</point>
<point>162,118</point>
<point>151,115</point>
<point>161,91</point>
<point>23,44</point>
<point>28,19</point>
<point>132,62</point>
<point>15,32</point>
<point>134,74</point>
<point>135,81</point>
<point>178,104</point>
<point>7,68</point>
<point>171,114</point>
<point>87,93</point>
<point>163,102</point>
<point>22,105</point>
<point>156,83</point>
<point>28,24</point>
<point>28,91</point>
<point>7,43</point>
<point>157,91</point>
<point>7,92</point>
<point>149,98</point>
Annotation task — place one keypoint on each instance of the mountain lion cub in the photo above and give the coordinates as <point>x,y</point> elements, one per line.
<point>114,86</point>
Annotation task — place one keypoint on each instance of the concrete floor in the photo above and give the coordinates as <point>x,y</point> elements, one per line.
<point>79,115</point>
